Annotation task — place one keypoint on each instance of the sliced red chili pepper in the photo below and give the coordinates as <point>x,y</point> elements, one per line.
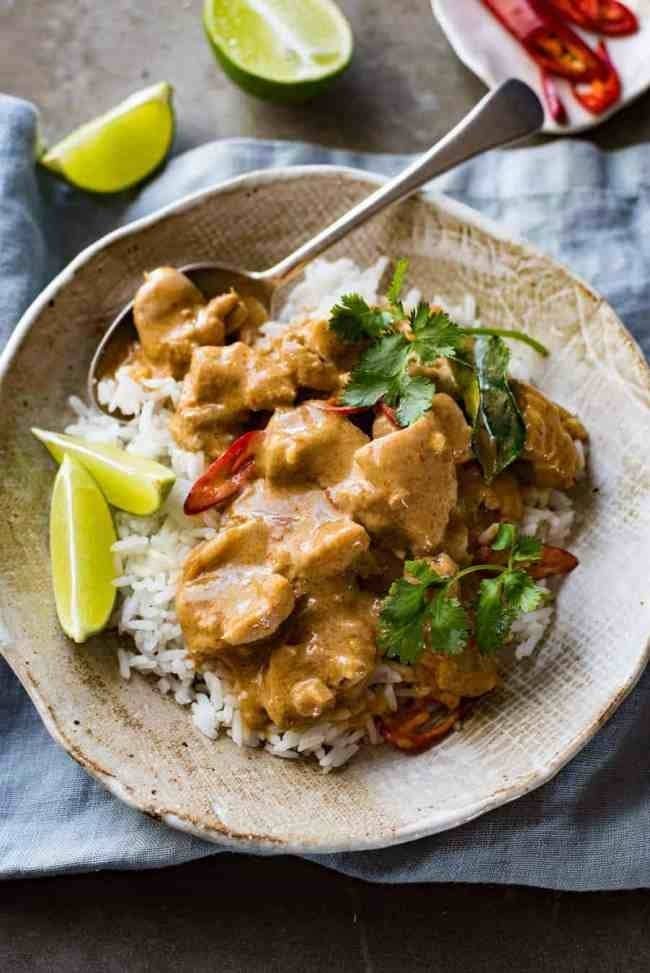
<point>415,727</point>
<point>386,410</point>
<point>600,95</point>
<point>552,98</point>
<point>547,39</point>
<point>226,476</point>
<point>609,17</point>
<point>554,560</point>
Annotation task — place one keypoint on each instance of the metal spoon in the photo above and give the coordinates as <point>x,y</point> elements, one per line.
<point>509,113</point>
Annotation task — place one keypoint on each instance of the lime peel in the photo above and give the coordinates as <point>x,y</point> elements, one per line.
<point>83,567</point>
<point>119,149</point>
<point>129,482</point>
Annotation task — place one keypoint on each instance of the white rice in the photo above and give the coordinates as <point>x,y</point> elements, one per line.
<point>152,549</point>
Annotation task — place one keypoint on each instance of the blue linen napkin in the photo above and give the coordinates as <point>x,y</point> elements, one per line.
<point>586,829</point>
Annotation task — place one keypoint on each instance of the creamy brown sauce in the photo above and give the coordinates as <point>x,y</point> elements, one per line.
<point>285,597</point>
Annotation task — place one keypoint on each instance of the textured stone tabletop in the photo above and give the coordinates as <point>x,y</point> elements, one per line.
<point>75,58</point>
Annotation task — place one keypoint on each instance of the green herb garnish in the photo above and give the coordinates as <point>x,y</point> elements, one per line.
<point>421,613</point>
<point>498,429</point>
<point>400,341</point>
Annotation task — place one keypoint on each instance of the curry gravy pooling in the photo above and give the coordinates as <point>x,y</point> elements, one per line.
<point>284,599</point>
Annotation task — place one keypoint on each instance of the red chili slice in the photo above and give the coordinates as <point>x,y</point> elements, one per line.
<point>554,560</point>
<point>411,728</point>
<point>226,476</point>
<point>552,98</point>
<point>609,17</point>
<point>548,40</point>
<point>599,95</point>
<point>386,410</point>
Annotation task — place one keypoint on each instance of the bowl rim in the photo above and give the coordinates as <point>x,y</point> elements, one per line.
<point>433,823</point>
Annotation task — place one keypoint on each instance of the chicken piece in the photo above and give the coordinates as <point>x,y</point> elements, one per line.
<point>453,424</point>
<point>469,674</point>
<point>482,504</point>
<point>441,374</point>
<point>256,316</point>
<point>223,386</point>
<point>382,426</point>
<point>308,444</point>
<point>228,596</point>
<point>550,434</point>
<point>403,486</point>
<point>308,537</point>
<point>328,658</point>
<point>313,355</point>
<point>172,318</point>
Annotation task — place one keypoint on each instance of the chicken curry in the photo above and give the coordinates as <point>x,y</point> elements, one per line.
<point>328,506</point>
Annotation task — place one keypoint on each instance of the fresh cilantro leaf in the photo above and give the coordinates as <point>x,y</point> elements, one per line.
<point>379,373</point>
<point>493,619</point>
<point>396,285</point>
<point>353,319</point>
<point>520,593</point>
<point>505,538</point>
<point>435,335</point>
<point>448,625</point>
<point>415,397</point>
<point>411,620</point>
<point>527,549</point>
<point>401,621</point>
<point>422,571</point>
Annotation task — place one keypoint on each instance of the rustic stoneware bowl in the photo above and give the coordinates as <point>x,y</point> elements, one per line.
<point>142,746</point>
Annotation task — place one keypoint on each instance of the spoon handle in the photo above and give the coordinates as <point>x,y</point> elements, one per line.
<point>509,113</point>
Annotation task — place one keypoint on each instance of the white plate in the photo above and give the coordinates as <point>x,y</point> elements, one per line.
<point>488,50</point>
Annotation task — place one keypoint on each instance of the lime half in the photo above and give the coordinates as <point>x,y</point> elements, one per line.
<point>132,483</point>
<point>119,149</point>
<point>81,536</point>
<point>282,50</point>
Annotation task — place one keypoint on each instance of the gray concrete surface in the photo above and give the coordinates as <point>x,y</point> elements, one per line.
<point>404,89</point>
<point>75,58</point>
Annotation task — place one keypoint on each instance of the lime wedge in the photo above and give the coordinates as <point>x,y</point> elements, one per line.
<point>279,49</point>
<point>117,150</point>
<point>132,483</point>
<point>81,535</point>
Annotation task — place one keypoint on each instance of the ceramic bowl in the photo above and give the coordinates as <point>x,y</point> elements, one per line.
<point>489,51</point>
<point>143,746</point>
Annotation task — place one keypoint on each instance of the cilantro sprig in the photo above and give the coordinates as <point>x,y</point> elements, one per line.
<point>398,341</point>
<point>422,611</point>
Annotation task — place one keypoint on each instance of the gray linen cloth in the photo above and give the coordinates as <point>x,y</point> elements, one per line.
<point>586,829</point>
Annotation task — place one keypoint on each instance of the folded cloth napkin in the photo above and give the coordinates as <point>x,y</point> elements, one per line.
<point>586,829</point>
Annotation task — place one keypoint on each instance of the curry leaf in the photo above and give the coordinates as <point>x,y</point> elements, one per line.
<point>499,432</point>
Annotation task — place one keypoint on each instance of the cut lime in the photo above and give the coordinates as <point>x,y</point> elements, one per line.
<point>279,49</point>
<point>81,536</point>
<point>132,483</point>
<point>117,150</point>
